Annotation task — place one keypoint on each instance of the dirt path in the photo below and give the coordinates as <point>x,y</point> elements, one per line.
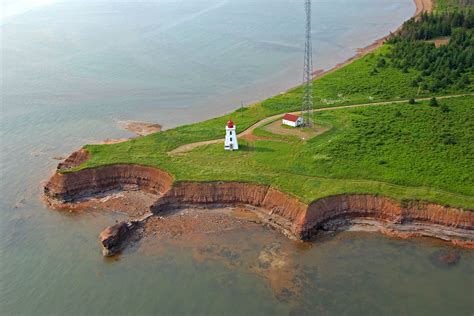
<point>188,147</point>
<point>421,6</point>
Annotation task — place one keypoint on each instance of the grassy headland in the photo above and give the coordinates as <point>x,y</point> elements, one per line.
<point>404,151</point>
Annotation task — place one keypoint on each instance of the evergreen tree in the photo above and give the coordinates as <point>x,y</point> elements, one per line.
<point>451,64</point>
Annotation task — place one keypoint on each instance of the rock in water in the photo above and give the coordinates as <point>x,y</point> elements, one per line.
<point>445,259</point>
<point>114,238</point>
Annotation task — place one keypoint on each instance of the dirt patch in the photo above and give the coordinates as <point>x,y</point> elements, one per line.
<point>423,6</point>
<point>302,133</point>
<point>440,41</point>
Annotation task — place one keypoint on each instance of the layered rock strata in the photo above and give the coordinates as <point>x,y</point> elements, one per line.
<point>71,186</point>
<point>294,218</point>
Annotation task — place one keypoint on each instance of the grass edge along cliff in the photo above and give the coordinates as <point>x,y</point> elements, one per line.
<point>416,150</point>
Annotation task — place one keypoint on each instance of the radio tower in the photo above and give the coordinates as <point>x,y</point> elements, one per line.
<point>307,105</point>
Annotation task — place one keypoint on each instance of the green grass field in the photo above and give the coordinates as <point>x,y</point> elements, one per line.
<point>352,84</point>
<point>401,151</point>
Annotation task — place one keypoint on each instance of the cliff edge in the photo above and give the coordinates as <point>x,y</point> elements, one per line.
<point>294,218</point>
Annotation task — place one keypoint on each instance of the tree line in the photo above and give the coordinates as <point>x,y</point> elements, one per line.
<point>450,64</point>
<point>429,25</point>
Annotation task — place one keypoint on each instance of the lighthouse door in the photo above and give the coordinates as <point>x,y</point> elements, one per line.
<point>231,146</point>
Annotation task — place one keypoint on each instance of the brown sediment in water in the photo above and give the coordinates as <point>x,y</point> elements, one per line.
<point>140,128</point>
<point>294,218</point>
<point>211,237</point>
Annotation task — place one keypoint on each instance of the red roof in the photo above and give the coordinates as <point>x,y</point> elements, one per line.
<point>230,124</point>
<point>291,117</point>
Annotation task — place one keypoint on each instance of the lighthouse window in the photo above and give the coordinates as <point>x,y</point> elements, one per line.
<point>231,139</point>
<point>230,132</point>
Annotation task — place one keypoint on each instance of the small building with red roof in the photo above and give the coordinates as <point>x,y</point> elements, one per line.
<point>292,120</point>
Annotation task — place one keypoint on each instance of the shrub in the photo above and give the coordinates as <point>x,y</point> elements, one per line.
<point>411,101</point>
<point>445,108</point>
<point>433,102</point>
<point>374,72</point>
<point>382,63</point>
<point>449,140</point>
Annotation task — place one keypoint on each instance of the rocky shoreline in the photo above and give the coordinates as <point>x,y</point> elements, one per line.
<point>295,219</point>
<point>286,213</point>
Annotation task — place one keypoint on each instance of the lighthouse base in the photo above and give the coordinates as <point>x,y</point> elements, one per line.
<point>230,147</point>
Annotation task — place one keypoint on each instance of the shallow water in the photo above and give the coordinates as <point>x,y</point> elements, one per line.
<point>73,69</point>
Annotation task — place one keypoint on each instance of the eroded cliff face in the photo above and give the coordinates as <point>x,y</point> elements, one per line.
<point>287,209</point>
<point>74,160</point>
<point>214,193</point>
<point>277,208</point>
<point>293,217</point>
<point>76,185</point>
<point>387,209</point>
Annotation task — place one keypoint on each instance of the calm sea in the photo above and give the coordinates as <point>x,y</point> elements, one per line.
<point>71,69</point>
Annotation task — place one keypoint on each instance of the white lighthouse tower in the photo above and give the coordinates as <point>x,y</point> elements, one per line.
<point>230,137</point>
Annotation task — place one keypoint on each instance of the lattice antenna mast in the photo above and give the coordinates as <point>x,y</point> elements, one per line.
<point>307,104</point>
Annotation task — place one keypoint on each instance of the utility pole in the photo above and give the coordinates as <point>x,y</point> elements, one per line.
<point>307,104</point>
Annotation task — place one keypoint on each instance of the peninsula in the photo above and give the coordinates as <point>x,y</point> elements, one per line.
<point>391,150</point>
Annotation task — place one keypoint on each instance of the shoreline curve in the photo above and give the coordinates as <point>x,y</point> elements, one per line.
<point>295,219</point>
<point>292,217</point>
<point>421,6</point>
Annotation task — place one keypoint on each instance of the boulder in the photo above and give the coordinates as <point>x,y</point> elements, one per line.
<point>115,237</point>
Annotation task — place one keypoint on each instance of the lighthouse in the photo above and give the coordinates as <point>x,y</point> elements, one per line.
<point>230,137</point>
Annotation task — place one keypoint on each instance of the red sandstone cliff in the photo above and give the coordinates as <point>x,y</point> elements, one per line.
<point>74,160</point>
<point>387,209</point>
<point>281,210</point>
<point>75,185</point>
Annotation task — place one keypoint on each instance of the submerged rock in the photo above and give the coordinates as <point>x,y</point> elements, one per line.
<point>445,258</point>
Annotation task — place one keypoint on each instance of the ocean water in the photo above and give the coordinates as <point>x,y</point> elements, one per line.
<point>71,69</point>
